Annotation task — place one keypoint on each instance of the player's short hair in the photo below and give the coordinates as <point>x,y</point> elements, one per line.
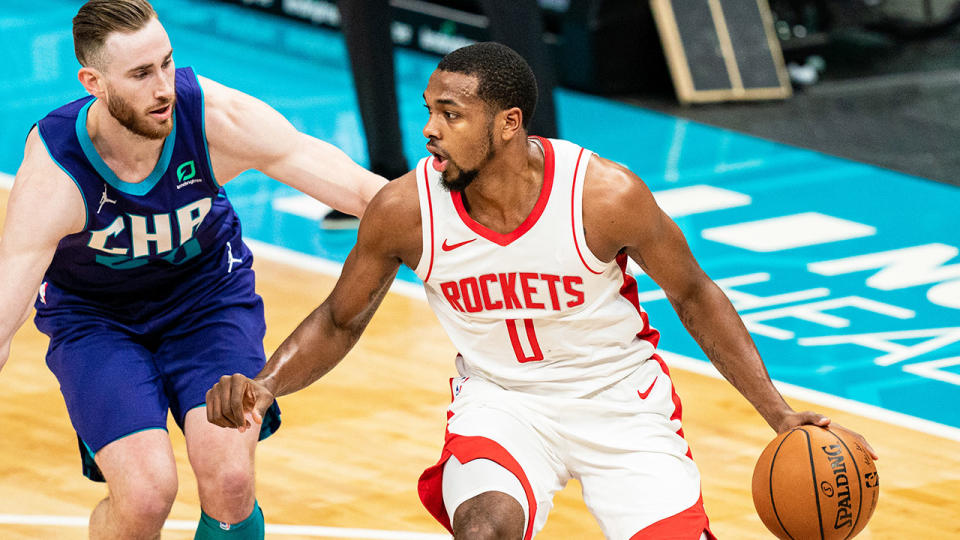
<point>505,78</point>
<point>97,19</point>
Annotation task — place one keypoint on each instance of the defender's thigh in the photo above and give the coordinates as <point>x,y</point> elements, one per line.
<point>141,473</point>
<point>221,336</point>
<point>223,462</point>
<point>110,384</point>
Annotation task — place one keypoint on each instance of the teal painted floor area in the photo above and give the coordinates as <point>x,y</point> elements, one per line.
<point>883,329</point>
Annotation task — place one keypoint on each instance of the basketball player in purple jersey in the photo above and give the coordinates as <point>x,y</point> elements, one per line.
<point>522,244</point>
<point>117,216</point>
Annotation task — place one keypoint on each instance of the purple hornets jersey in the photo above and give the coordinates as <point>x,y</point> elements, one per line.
<point>148,240</point>
<point>154,300</point>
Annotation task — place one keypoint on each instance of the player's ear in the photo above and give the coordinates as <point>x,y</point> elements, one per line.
<point>511,121</point>
<point>92,81</point>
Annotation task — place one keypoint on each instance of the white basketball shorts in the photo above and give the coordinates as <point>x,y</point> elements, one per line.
<point>624,444</point>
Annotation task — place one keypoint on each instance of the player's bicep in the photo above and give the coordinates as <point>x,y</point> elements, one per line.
<point>243,132</point>
<point>633,221</point>
<point>389,235</point>
<point>366,277</point>
<point>661,250</point>
<point>44,206</point>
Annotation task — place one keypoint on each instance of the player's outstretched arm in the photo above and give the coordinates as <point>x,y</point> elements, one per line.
<point>245,133</point>
<point>389,234</point>
<point>44,206</point>
<point>620,213</point>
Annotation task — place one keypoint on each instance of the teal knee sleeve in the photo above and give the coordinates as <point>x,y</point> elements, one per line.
<point>248,529</point>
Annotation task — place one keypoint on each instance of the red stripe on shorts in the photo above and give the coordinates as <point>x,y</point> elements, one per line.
<point>687,525</point>
<point>468,449</point>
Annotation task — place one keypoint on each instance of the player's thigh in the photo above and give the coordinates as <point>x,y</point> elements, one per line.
<point>633,462</point>
<point>223,463</point>
<point>491,423</point>
<point>629,493</point>
<point>109,382</point>
<point>217,452</point>
<point>140,471</point>
<point>482,488</point>
<point>208,342</point>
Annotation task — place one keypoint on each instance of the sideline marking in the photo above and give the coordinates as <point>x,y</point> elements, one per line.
<point>319,265</point>
<point>873,412</point>
<point>301,205</point>
<point>686,363</point>
<point>280,530</point>
<point>415,291</point>
<point>298,260</point>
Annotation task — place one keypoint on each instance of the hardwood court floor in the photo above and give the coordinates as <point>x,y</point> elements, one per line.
<point>353,445</point>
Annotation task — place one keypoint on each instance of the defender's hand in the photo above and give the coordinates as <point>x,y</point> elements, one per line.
<point>237,402</point>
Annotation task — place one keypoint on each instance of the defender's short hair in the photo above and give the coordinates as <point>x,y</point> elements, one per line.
<point>505,78</point>
<point>97,19</point>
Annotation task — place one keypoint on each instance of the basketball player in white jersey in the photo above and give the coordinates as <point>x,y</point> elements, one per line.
<point>522,244</point>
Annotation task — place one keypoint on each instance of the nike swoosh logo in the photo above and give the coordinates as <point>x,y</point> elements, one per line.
<point>451,247</point>
<point>643,395</point>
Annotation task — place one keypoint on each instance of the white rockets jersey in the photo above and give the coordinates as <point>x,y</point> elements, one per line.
<point>533,310</point>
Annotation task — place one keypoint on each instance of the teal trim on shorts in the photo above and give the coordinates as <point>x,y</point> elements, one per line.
<point>93,454</point>
<point>89,465</point>
<point>271,420</point>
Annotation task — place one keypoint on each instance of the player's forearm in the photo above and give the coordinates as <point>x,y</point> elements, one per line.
<point>16,296</point>
<point>713,322</point>
<point>7,329</point>
<point>333,177</point>
<point>4,353</point>
<point>310,352</point>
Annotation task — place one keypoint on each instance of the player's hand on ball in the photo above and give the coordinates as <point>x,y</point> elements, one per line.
<point>857,438</point>
<point>237,402</point>
<point>796,419</point>
<point>836,504</point>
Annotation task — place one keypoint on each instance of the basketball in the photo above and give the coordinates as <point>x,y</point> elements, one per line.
<point>815,483</point>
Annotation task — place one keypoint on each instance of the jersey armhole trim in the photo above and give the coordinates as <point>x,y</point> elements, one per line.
<point>203,131</point>
<point>86,209</point>
<point>576,214</point>
<point>422,270</point>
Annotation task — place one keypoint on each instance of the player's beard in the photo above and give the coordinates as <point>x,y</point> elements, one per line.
<point>466,176</point>
<point>141,124</point>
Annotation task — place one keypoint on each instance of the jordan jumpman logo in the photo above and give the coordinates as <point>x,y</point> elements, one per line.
<point>104,199</point>
<point>231,259</point>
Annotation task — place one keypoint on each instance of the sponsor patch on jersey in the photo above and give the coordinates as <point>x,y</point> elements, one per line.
<point>187,174</point>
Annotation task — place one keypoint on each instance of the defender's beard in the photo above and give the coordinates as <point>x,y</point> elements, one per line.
<point>137,123</point>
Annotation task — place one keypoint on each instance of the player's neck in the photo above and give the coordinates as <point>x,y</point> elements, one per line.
<point>132,157</point>
<point>508,187</point>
